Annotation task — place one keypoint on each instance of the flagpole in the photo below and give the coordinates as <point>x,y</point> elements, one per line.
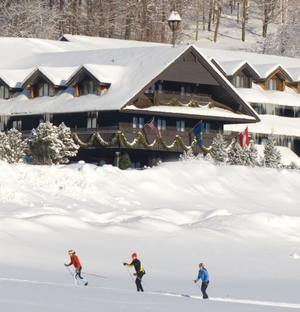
<point>195,126</point>
<point>148,122</point>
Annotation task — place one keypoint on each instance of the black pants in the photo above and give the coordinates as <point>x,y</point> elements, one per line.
<point>204,286</point>
<point>138,281</point>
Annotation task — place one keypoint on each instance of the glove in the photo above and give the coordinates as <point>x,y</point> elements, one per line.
<point>135,274</point>
<point>124,263</point>
<point>65,264</point>
<point>195,281</point>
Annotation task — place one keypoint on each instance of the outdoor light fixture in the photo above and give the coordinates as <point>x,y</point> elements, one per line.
<point>174,20</point>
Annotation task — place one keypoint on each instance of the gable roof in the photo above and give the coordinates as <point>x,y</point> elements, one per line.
<point>128,66</point>
<point>268,70</point>
<point>97,73</point>
<point>230,68</point>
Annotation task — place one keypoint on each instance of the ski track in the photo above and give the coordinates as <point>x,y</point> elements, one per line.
<point>162,293</point>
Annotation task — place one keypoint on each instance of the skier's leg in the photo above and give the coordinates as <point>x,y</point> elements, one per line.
<point>83,279</point>
<point>203,289</point>
<point>75,277</point>
<point>139,280</point>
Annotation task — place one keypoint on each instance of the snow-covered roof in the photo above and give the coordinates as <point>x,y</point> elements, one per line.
<point>263,64</point>
<point>13,78</point>
<point>229,68</point>
<point>285,126</point>
<point>258,95</point>
<point>129,66</point>
<point>199,112</point>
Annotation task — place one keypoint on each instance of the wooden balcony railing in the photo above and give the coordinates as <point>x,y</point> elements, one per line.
<point>184,98</point>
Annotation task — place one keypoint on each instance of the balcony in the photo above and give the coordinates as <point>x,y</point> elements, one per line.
<point>184,98</point>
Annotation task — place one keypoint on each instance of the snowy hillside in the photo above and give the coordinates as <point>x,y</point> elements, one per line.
<point>242,223</point>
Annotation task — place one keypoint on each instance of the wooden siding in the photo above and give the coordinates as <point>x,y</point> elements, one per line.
<point>188,69</point>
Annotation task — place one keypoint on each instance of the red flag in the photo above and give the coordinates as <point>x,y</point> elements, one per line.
<point>243,138</point>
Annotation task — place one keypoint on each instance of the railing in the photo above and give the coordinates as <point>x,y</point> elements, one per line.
<point>96,129</point>
<point>167,96</point>
<point>168,136</point>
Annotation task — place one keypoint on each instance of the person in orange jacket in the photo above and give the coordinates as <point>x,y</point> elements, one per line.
<point>75,261</point>
<point>138,269</point>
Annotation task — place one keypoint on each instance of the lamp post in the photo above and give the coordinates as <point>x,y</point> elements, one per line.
<point>174,20</point>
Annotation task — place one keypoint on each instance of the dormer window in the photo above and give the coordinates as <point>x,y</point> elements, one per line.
<point>273,84</point>
<point>241,81</point>
<point>4,94</point>
<point>89,87</point>
<point>44,89</point>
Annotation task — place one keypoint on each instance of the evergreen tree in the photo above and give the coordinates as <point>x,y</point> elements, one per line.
<point>252,155</point>
<point>293,165</point>
<point>187,155</point>
<point>125,162</point>
<point>12,146</point>
<point>235,154</point>
<point>14,151</point>
<point>69,148</point>
<point>43,146</point>
<point>272,156</point>
<point>219,152</point>
<point>3,144</point>
<point>48,144</point>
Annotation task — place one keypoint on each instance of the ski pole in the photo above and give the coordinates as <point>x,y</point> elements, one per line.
<point>69,270</point>
<point>144,283</point>
<point>198,285</point>
<point>130,275</point>
<point>94,275</point>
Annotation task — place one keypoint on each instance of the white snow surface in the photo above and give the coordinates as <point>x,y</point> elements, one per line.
<point>243,223</point>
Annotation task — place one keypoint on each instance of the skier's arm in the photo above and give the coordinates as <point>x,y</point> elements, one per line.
<point>199,277</point>
<point>128,265</point>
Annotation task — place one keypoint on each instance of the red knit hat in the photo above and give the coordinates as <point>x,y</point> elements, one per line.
<point>134,255</point>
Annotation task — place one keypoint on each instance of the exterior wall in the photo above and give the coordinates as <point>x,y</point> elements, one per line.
<point>109,123</point>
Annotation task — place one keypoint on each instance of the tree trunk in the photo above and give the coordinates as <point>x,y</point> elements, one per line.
<point>203,15</point>
<point>219,12</point>
<point>210,16</point>
<point>244,19</point>
<point>197,5</point>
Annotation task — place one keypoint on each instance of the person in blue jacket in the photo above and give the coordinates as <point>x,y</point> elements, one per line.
<point>203,275</point>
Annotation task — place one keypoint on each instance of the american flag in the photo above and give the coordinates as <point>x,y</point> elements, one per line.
<point>153,126</point>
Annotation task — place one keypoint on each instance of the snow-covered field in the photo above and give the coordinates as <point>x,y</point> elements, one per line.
<point>243,223</point>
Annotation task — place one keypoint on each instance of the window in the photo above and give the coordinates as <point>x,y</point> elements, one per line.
<point>91,121</point>
<point>273,84</point>
<point>180,125</point>
<point>160,88</point>
<point>162,124</point>
<point>141,122</point>
<point>44,89</point>
<point>138,122</point>
<point>239,81</point>
<point>287,143</point>
<point>89,87</point>
<point>206,127</point>
<point>4,92</point>
<point>17,124</point>
<point>182,90</point>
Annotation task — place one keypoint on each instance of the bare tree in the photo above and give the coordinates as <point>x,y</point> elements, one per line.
<point>246,4</point>
<point>218,9</point>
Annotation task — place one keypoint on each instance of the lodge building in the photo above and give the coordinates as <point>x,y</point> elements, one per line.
<point>271,85</point>
<point>107,91</point>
